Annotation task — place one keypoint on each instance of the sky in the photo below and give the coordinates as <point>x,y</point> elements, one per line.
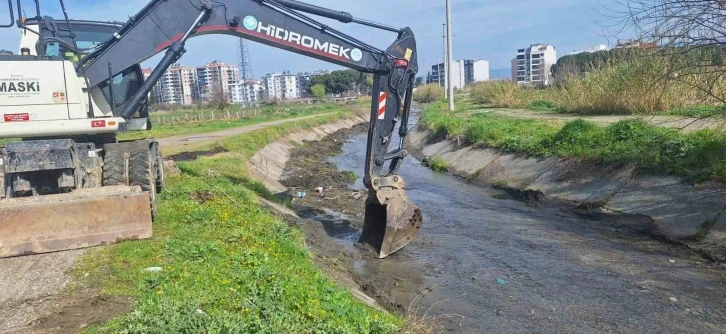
<point>492,30</point>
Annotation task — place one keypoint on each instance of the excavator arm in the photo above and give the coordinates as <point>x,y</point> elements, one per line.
<point>391,220</point>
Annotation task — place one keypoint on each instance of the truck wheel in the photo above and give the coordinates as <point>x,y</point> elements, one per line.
<point>114,169</point>
<point>142,173</point>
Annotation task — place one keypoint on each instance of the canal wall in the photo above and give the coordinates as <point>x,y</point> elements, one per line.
<point>691,214</point>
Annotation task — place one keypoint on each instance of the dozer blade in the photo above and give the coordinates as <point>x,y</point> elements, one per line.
<point>83,218</point>
<point>391,220</point>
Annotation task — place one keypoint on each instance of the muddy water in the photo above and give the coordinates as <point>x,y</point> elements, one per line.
<point>487,265</point>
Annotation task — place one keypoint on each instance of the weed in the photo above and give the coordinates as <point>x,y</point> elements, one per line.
<point>428,93</point>
<point>543,105</point>
<point>438,164</point>
<point>352,176</point>
<point>500,185</point>
<point>696,156</point>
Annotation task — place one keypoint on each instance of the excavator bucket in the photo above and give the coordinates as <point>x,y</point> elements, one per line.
<point>391,220</point>
<point>82,218</point>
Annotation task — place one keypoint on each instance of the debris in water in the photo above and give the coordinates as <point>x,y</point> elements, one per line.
<point>673,299</point>
<point>501,281</point>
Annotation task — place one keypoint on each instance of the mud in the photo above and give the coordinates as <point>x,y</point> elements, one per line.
<point>493,260</point>
<point>193,155</point>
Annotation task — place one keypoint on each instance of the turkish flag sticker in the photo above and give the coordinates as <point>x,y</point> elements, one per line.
<point>98,124</point>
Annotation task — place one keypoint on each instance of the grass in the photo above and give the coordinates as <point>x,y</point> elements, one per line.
<point>696,156</point>
<point>228,265</point>
<point>640,86</point>
<point>437,164</point>
<point>182,127</point>
<point>428,93</point>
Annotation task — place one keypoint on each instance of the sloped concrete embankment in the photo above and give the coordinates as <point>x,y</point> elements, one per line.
<point>682,212</point>
<point>268,164</point>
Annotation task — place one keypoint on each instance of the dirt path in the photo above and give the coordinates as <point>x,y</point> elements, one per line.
<point>33,289</point>
<point>199,139</point>
<point>686,124</point>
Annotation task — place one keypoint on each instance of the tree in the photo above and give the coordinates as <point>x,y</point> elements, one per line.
<point>688,35</point>
<point>219,97</point>
<point>318,91</point>
<point>337,82</point>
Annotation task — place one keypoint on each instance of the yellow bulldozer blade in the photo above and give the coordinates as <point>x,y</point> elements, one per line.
<point>391,220</point>
<point>82,218</point>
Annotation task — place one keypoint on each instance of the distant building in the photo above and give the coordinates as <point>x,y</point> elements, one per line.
<point>533,65</point>
<point>591,49</point>
<point>464,72</point>
<point>437,74</point>
<point>635,43</point>
<point>215,76</point>
<point>177,86</point>
<point>280,86</point>
<point>250,92</point>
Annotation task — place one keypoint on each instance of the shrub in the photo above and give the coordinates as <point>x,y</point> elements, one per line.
<point>437,164</point>
<point>428,93</point>
<point>541,105</point>
<point>502,94</point>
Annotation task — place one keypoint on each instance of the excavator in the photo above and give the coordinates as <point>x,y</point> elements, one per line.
<point>67,182</point>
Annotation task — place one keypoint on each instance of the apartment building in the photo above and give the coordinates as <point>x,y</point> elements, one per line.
<point>464,72</point>
<point>533,65</point>
<point>214,76</point>
<point>177,86</point>
<point>183,85</point>
<point>280,86</point>
<point>250,92</point>
<point>591,49</point>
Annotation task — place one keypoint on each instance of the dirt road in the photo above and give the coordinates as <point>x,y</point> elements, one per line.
<point>686,124</point>
<point>33,289</point>
<point>199,139</point>
<point>487,263</point>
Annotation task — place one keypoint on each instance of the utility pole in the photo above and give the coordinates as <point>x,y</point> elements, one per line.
<point>449,58</point>
<point>446,63</point>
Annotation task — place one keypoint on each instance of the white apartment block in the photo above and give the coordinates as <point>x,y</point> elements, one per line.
<point>281,86</point>
<point>463,72</point>
<point>177,86</point>
<point>591,49</point>
<point>215,76</point>
<point>250,92</point>
<point>533,65</point>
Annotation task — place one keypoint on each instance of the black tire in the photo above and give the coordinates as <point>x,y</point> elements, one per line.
<point>114,169</point>
<point>159,165</point>
<point>142,173</point>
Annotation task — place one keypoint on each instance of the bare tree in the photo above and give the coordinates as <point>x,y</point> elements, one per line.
<point>219,98</point>
<point>690,36</point>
